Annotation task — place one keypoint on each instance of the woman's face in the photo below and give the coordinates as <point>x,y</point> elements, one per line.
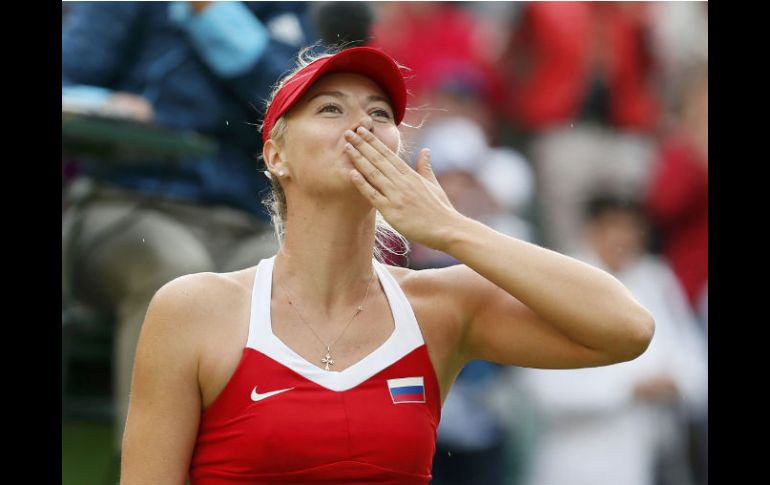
<point>314,144</point>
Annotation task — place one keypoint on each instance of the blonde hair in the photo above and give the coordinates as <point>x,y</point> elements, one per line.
<point>385,236</point>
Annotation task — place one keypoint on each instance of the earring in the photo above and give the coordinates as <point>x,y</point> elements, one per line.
<point>281,173</point>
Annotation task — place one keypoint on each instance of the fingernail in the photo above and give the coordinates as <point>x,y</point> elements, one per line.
<point>361,130</point>
<point>348,146</point>
<point>349,134</point>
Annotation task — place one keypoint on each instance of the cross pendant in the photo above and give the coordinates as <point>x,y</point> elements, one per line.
<point>327,359</point>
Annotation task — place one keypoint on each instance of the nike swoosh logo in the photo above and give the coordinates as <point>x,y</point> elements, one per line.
<point>258,397</point>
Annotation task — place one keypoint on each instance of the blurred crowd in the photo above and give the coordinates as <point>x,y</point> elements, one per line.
<point>580,126</point>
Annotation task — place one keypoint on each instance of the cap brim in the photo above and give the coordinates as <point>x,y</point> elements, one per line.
<point>368,62</point>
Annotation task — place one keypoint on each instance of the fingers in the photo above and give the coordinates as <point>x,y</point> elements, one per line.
<point>377,152</point>
<point>366,168</point>
<point>366,189</point>
<point>383,149</point>
<point>424,167</point>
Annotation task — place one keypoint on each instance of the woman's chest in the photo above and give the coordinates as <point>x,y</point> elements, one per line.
<point>338,344</point>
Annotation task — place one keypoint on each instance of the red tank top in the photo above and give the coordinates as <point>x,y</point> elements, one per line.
<point>282,420</point>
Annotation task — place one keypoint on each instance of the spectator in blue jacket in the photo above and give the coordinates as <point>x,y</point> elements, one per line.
<point>128,229</point>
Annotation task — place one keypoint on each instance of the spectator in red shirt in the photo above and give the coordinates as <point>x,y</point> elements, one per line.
<point>438,41</point>
<point>581,82</point>
<point>678,193</point>
<point>574,59</point>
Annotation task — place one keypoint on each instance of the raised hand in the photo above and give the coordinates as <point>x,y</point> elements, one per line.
<point>412,201</point>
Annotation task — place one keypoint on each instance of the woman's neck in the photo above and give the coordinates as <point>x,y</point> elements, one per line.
<point>326,256</point>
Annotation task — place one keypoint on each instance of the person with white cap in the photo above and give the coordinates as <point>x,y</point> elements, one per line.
<point>323,365</point>
<point>494,185</point>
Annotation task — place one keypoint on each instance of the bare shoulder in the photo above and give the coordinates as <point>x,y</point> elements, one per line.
<point>193,305</point>
<point>448,297</point>
<point>417,279</point>
<point>197,295</point>
<point>451,282</point>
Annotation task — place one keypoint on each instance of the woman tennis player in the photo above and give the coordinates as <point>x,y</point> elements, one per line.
<point>322,364</point>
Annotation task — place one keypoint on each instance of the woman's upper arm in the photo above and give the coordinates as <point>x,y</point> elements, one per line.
<point>165,404</point>
<point>500,328</point>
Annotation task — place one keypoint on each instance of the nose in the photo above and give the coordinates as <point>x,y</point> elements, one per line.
<point>366,121</point>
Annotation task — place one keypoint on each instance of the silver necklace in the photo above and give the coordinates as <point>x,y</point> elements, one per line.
<point>327,360</point>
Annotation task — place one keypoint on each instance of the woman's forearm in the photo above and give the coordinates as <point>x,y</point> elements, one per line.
<point>586,304</point>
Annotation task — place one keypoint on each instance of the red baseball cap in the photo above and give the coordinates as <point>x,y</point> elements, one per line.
<point>366,61</point>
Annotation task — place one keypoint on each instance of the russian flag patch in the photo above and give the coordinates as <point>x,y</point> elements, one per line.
<point>406,389</point>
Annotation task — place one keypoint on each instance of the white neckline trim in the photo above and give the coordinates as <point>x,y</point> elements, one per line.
<point>406,335</point>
